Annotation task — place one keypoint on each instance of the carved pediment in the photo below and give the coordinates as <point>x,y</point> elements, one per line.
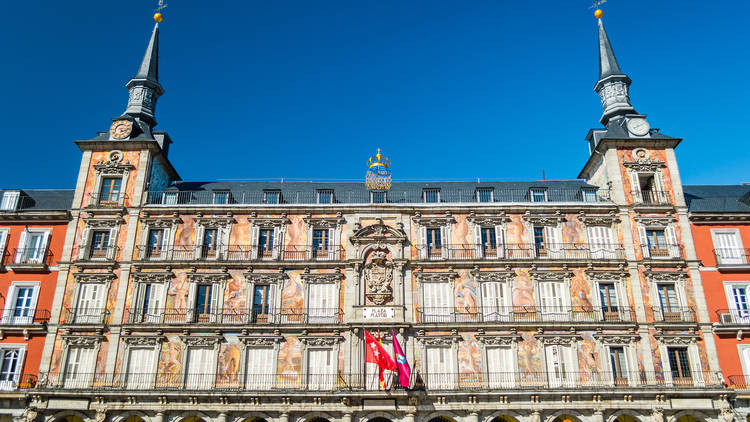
<point>655,221</point>
<point>619,274</point>
<point>444,340</point>
<point>104,223</point>
<point>677,339</point>
<point>434,221</point>
<point>487,276</point>
<point>153,277</point>
<point>598,220</point>
<point>551,275</point>
<point>161,222</point>
<point>114,164</point>
<point>309,277</point>
<point>327,340</point>
<point>94,277</point>
<point>201,341</point>
<point>378,233</point>
<point>268,222</point>
<point>82,340</point>
<point>266,278</point>
<point>436,277</point>
<point>489,220</point>
<point>665,275</point>
<point>543,219</point>
<point>561,338</point>
<point>324,222</point>
<point>644,165</point>
<point>208,278</point>
<point>260,341</point>
<point>143,340</point>
<point>498,339</point>
<point>215,221</point>
<point>617,338</point>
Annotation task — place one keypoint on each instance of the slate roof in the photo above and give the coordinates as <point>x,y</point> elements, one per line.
<point>718,198</point>
<point>43,199</point>
<point>356,192</point>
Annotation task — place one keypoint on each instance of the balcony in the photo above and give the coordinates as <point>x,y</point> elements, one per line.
<point>90,316</point>
<point>521,251</point>
<point>240,253</point>
<point>662,252</point>
<point>22,318</point>
<point>732,320</point>
<point>113,200</point>
<point>30,259</point>
<point>652,197</point>
<point>109,253</point>
<point>172,316</point>
<point>347,382</point>
<point>674,315</point>
<point>732,259</point>
<point>19,382</point>
<point>527,314</point>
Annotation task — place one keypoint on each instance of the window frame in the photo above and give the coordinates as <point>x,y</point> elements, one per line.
<point>102,185</point>
<point>9,312</point>
<point>374,194</point>
<point>215,195</point>
<point>12,384</point>
<point>534,191</point>
<point>320,192</point>
<point>23,242</point>
<point>270,194</point>
<point>426,191</point>
<point>13,198</point>
<point>489,190</point>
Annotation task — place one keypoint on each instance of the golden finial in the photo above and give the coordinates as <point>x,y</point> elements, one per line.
<point>378,174</point>
<point>379,160</point>
<point>158,17</point>
<point>598,13</point>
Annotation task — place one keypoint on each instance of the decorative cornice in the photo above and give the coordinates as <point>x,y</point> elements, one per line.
<point>489,220</point>
<point>436,277</point>
<point>378,233</point>
<point>619,274</point>
<point>616,338</point>
<point>434,221</point>
<point>141,340</point>
<point>498,339</point>
<point>550,275</point>
<point>445,340</point>
<point>266,278</point>
<point>260,341</point>
<point>665,275</point>
<point>655,220</point>
<point>82,340</point>
<point>317,278</point>
<point>324,222</point>
<point>213,278</point>
<point>644,165</point>
<point>205,341</point>
<point>106,223</point>
<point>215,221</point>
<point>543,219</point>
<point>558,338</point>
<point>598,220</point>
<point>329,340</point>
<point>153,277</point>
<point>487,276</point>
<point>94,277</point>
<point>677,339</point>
<point>268,222</point>
<point>161,222</point>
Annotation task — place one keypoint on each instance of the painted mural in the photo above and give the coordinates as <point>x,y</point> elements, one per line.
<point>289,365</point>
<point>469,361</point>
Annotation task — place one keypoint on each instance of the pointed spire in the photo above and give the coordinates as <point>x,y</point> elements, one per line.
<point>608,65</point>
<point>613,85</point>
<point>150,65</point>
<point>144,87</point>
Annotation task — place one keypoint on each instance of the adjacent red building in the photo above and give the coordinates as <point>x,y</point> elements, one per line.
<point>32,233</point>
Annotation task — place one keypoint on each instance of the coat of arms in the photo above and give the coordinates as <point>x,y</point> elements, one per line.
<point>378,278</point>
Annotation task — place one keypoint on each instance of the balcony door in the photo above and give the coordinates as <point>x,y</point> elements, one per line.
<point>437,303</point>
<point>110,190</point>
<point>609,302</point>
<point>618,363</point>
<point>22,298</point>
<point>680,366</point>
<point>559,365</point>
<point>737,297</point>
<point>90,308</point>
<point>728,247</point>
<point>670,306</point>
<point>263,303</point>
<point>79,367</point>
<point>260,368</point>
<point>552,301</point>
<point>149,309</point>
<point>323,303</point>
<point>601,244</point>
<point>140,374</point>
<point>441,368</point>
<point>201,368</point>
<point>32,247</point>
<point>321,369</point>
<point>500,368</point>
<point>11,363</point>
<point>494,301</point>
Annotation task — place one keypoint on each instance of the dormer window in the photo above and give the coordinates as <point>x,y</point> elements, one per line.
<point>325,196</point>
<point>221,197</point>
<point>485,194</point>
<point>9,201</point>
<point>431,196</point>
<point>589,195</point>
<point>272,197</point>
<point>538,194</point>
<point>377,197</point>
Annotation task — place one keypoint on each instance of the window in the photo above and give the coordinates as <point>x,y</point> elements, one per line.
<point>431,196</point>
<point>210,245</point>
<point>155,243</point>
<point>547,242</point>
<point>21,303</point>
<point>79,367</point>
<point>601,244</point>
<point>262,303</point>
<point>3,242</point>
<point>325,196</point>
<point>485,194</point>
<point>500,368</point>
<point>728,247</point>
<point>657,242</point>
<point>221,197</point>
<point>140,371</point>
<point>260,368</point>
<point>680,365</point>
<point>99,244</point>
<point>494,301</point>
<point>646,183</point>
<point>272,197</point>
<point>169,198</point>
<point>32,247</point>
<point>201,369</point>
<point>489,241</point>
<point>203,302</point>
<point>149,303</point>
<point>321,369</point>
<point>590,195</point>
<point>552,299</point>
<point>619,365</point>
<point>538,194</point>
<point>608,299</point>
<point>9,201</point>
<point>559,365</point>
<point>11,365</point>
<point>90,306</point>
<point>323,303</point>
<point>434,243</point>
<point>377,197</point>
<point>441,368</point>
<point>670,306</point>
<point>437,305</point>
<point>265,243</point>
<point>320,242</point>
<point>110,190</point>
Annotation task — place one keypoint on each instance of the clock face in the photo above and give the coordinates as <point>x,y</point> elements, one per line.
<point>120,129</point>
<point>638,126</point>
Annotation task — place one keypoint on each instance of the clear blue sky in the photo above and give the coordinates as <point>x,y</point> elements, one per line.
<point>308,89</point>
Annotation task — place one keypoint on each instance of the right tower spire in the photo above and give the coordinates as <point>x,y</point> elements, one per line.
<point>613,84</point>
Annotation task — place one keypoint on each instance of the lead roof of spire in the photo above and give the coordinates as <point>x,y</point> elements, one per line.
<point>608,65</point>
<point>149,69</point>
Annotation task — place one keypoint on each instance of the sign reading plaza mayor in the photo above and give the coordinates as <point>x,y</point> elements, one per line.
<point>378,312</point>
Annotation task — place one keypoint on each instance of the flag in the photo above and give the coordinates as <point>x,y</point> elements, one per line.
<point>380,370</point>
<point>376,354</point>
<point>404,371</point>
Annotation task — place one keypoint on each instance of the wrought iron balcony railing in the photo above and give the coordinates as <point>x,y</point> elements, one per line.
<point>23,316</point>
<point>18,382</point>
<point>732,256</point>
<point>674,314</point>
<point>394,196</point>
<point>240,253</point>
<point>662,251</point>
<point>652,197</point>
<point>520,251</point>
<point>32,256</point>
<point>739,382</point>
<point>87,316</point>
<point>227,316</point>
<point>733,317</point>
<point>107,200</point>
<point>519,314</point>
<point>333,382</point>
<point>107,253</point>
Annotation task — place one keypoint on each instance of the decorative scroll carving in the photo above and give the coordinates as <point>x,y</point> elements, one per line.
<point>655,221</point>
<point>309,277</point>
<point>114,164</point>
<point>677,339</point>
<point>260,341</point>
<point>543,219</point>
<point>103,223</point>
<point>498,339</point>
<point>619,339</point>
<point>486,276</point>
<point>441,277</point>
<point>438,340</point>
<point>325,222</point>
<point>266,278</point>
<point>620,274</point>
<point>598,220</point>
<point>644,165</point>
<point>82,340</point>
<point>143,340</point>
<point>215,222</point>
<point>552,275</point>
<point>563,338</point>
<point>321,340</point>
<point>161,222</point>
<point>268,223</point>
<point>379,277</point>
<point>202,341</point>
<point>94,277</point>
<point>153,277</point>
<point>665,275</point>
<point>208,278</point>
<point>435,221</point>
<point>379,233</point>
<point>489,220</point>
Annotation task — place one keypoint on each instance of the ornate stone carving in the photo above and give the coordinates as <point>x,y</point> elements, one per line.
<point>103,223</point>
<point>441,277</point>
<point>677,339</point>
<point>324,222</point>
<point>82,340</point>
<point>673,276</point>
<point>543,219</point>
<point>438,340</point>
<point>487,276</point>
<point>202,341</point>
<point>208,278</point>
<point>161,222</point>
<point>379,277</point>
<point>563,338</point>
<point>101,415</point>
<point>598,220</point>
<point>268,223</point>
<point>317,278</point>
<point>94,277</point>
<point>153,277</point>
<point>489,220</point>
<point>266,278</point>
<point>321,340</point>
<point>498,339</point>
<point>644,165</point>
<point>30,415</point>
<point>215,222</point>
<point>606,274</point>
<point>379,233</point>
<point>552,275</point>
<point>435,221</point>
<point>626,338</point>
<point>260,341</point>
<point>655,221</point>
<point>114,164</point>
<point>141,340</point>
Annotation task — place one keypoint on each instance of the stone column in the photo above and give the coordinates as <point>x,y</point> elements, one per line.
<point>535,417</point>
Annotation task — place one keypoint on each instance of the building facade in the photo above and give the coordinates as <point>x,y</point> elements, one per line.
<point>32,234</point>
<point>534,301</point>
<point>720,220</point>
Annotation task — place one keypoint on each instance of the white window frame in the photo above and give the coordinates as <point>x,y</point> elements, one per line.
<point>154,315</point>
<point>505,312</point>
<point>743,351</point>
<point>448,380</point>
<point>501,379</point>
<point>736,315</point>
<point>85,376</point>
<point>620,296</point>
<point>450,307</point>
<point>279,230</point>
<point>479,195</point>
<point>598,250</point>
<point>4,234</point>
<point>84,249</point>
<point>693,359</point>
<point>219,192</point>
<point>321,381</point>
<point>204,382</point>
<point>631,361</point>
<point>9,200</point>
<point>320,314</point>
<point>22,244</point>
<point>500,240</point>
<point>737,257</point>
<point>10,303</point>
<point>90,317</point>
<point>267,193</point>
<point>372,197</point>
<point>424,195</point>
<point>11,385</point>
<point>569,376</point>
<point>265,380</point>
<point>670,237</point>
<point>146,380</point>
<point>328,191</point>
<point>217,301</point>
<point>533,191</point>
<point>565,313</point>
<point>635,185</point>
<point>680,292</point>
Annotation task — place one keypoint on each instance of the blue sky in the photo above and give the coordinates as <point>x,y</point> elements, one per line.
<point>450,90</point>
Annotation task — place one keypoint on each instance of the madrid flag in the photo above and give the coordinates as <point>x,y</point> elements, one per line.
<point>376,354</point>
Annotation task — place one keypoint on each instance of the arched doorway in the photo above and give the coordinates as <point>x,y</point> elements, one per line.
<point>442,419</point>
<point>254,419</point>
<point>316,419</point>
<point>379,419</point>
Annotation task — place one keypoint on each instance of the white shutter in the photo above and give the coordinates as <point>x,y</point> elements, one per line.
<point>552,301</point>
<point>167,251</point>
<point>555,367</point>
<point>44,246</point>
<point>331,246</point>
<point>85,244</point>
<point>216,293</point>
<point>90,303</point>
<point>260,373</point>
<point>19,366</point>
<point>3,241</point>
<point>423,242</point>
<point>276,251</point>
<point>500,372</point>
<point>600,242</point>
<point>254,233</point>
<point>21,247</point>
<point>321,370</point>
<point>443,300</point>
<point>200,368</point>
<point>493,301</point>
<point>140,368</point>
<point>671,238</point>
<point>500,241</point>
<point>728,246</point>
<point>112,243</point>
<point>190,311</point>
<point>200,233</point>
<point>644,241</point>
<point>444,241</point>
<point>478,246</point>
<point>552,242</point>
<point>635,186</point>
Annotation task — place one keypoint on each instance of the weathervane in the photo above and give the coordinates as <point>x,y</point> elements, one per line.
<point>158,17</point>
<point>598,13</point>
